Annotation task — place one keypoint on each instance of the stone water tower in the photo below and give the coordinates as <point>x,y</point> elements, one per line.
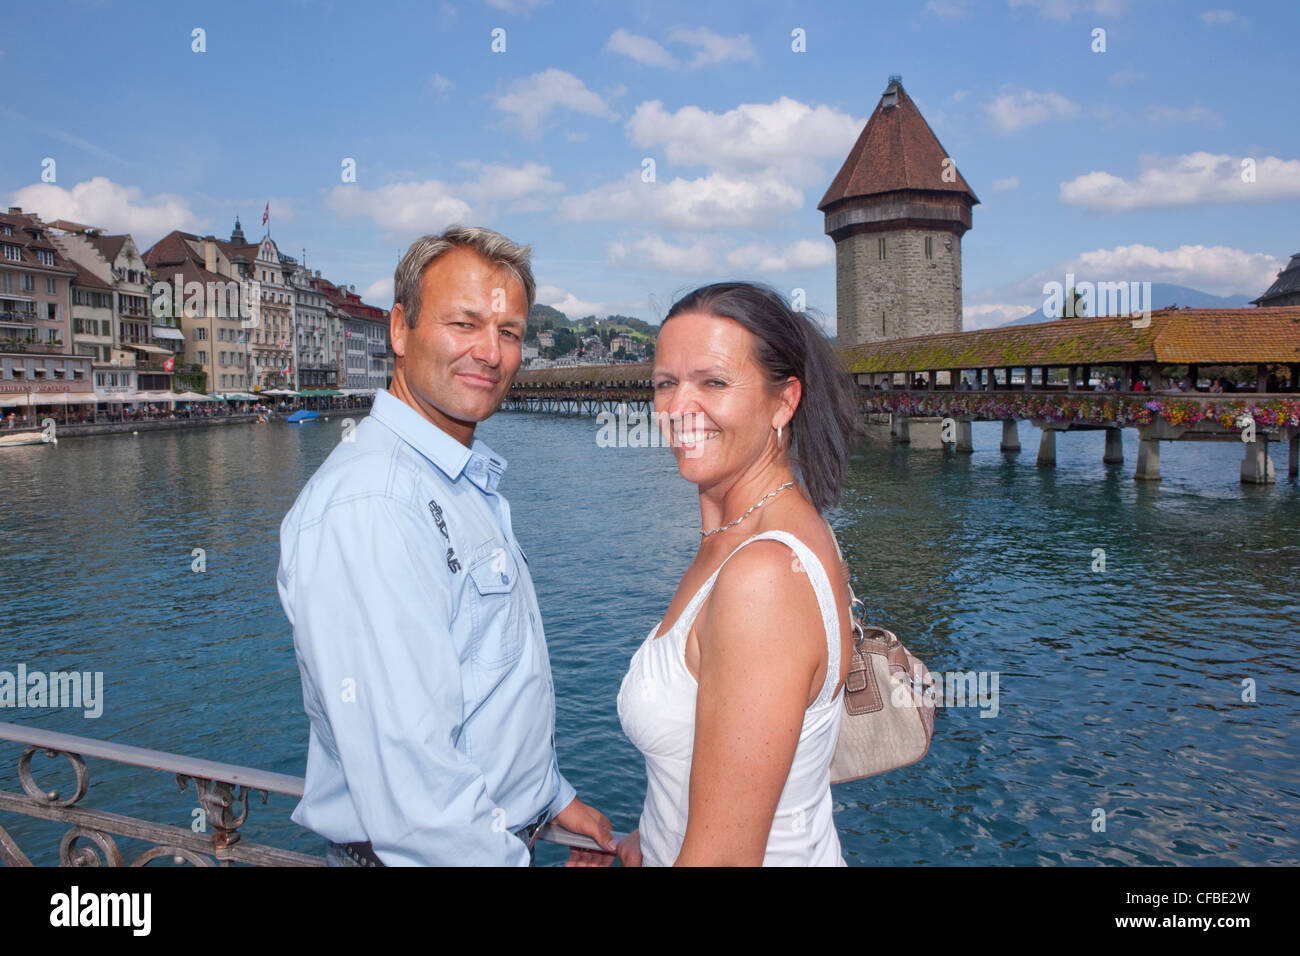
<point>897,210</point>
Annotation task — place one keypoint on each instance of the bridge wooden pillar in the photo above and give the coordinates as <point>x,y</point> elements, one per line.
<point>1293,459</point>
<point>1074,373</point>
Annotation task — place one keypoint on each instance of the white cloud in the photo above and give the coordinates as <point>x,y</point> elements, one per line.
<point>111,206</point>
<point>440,83</point>
<point>1124,77</point>
<point>786,134</point>
<point>410,209</point>
<point>1014,110</point>
<point>1183,114</point>
<point>1220,17</point>
<point>516,6</point>
<point>570,304</point>
<point>1220,270</point>
<point>379,292</point>
<point>711,48</point>
<point>992,314</point>
<point>639,48</point>
<point>715,201</point>
<point>947,9</point>
<point>799,255</point>
<point>1063,10</point>
<point>657,253</point>
<point>1002,185</point>
<point>530,101</point>
<point>509,184</point>
<point>402,209</point>
<point>1187,180</point>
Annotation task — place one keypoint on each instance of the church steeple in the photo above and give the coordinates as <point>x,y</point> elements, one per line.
<point>237,237</point>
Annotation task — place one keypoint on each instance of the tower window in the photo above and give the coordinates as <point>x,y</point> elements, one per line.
<point>882,323</point>
<point>881,241</point>
<point>929,247</point>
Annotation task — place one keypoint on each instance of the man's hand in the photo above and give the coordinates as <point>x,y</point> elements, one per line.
<point>588,821</point>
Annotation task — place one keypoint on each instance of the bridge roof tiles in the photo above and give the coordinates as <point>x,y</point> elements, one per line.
<point>586,375</point>
<point>1174,337</point>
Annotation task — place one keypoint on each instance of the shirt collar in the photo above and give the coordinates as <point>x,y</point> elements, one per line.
<point>480,463</point>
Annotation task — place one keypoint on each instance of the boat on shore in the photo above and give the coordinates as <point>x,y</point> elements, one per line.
<point>26,438</point>
<point>303,415</point>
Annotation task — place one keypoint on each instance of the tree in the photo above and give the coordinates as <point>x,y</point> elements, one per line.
<point>1073,306</point>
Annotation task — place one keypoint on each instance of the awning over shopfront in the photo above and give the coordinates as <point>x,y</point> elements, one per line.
<point>237,397</point>
<point>62,398</point>
<point>166,332</point>
<point>21,399</point>
<point>356,391</point>
<point>318,393</point>
<point>150,349</point>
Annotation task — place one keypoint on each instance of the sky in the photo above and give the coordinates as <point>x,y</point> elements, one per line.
<point>644,149</point>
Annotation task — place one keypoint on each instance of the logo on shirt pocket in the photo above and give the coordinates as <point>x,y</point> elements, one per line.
<point>498,627</point>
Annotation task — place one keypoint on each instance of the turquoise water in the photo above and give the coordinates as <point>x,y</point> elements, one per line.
<point>1119,691</point>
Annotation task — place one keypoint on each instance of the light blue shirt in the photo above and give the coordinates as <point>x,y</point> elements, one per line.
<point>420,645</point>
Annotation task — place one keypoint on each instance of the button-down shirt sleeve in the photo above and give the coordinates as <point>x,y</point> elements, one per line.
<point>566,795</point>
<point>371,615</point>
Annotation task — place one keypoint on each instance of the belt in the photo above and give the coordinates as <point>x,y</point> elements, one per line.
<point>363,854</point>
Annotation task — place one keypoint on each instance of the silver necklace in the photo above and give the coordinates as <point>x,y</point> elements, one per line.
<point>749,512</point>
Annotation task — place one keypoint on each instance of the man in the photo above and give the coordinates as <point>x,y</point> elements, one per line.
<point>424,666</point>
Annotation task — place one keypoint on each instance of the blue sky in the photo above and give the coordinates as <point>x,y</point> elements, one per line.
<point>1120,165</point>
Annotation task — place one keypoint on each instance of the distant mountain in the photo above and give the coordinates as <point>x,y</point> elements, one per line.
<point>1163,295</point>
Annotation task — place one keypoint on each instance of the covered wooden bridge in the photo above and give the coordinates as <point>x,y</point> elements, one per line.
<point>1164,374</point>
<point>1054,374</point>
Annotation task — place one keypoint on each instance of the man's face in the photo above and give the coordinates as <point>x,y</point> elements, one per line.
<point>458,362</point>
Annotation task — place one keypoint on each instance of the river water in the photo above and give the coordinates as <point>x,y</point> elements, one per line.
<point>1146,713</point>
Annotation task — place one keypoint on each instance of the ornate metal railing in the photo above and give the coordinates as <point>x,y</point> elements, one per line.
<point>223,792</point>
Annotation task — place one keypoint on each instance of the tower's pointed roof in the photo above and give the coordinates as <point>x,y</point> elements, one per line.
<point>896,151</point>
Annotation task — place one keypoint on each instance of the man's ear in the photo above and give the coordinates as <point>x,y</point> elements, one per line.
<point>397,329</point>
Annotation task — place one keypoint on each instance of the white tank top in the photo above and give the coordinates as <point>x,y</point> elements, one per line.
<point>656,706</point>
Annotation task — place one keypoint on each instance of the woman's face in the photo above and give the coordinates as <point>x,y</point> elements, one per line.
<point>721,412</point>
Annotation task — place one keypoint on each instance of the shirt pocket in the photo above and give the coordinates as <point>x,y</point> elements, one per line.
<point>498,627</point>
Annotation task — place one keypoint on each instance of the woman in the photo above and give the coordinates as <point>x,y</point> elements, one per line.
<point>735,697</point>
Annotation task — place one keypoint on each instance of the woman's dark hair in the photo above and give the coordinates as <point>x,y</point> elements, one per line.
<point>789,345</point>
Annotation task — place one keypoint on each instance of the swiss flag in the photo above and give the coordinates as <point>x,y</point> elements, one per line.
<point>266,214</point>
<point>169,364</point>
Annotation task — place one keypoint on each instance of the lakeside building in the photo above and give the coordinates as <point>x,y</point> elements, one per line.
<point>1285,290</point>
<point>35,291</point>
<point>318,333</point>
<point>365,338</point>
<point>38,368</point>
<point>215,333</point>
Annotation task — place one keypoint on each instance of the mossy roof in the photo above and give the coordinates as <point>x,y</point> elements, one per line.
<point>1174,337</point>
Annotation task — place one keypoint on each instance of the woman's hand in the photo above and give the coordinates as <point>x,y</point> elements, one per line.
<point>629,849</point>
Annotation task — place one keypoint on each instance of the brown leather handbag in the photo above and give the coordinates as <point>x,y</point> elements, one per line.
<point>888,704</point>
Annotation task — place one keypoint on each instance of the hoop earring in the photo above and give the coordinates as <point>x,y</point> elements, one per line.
<point>778,434</point>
